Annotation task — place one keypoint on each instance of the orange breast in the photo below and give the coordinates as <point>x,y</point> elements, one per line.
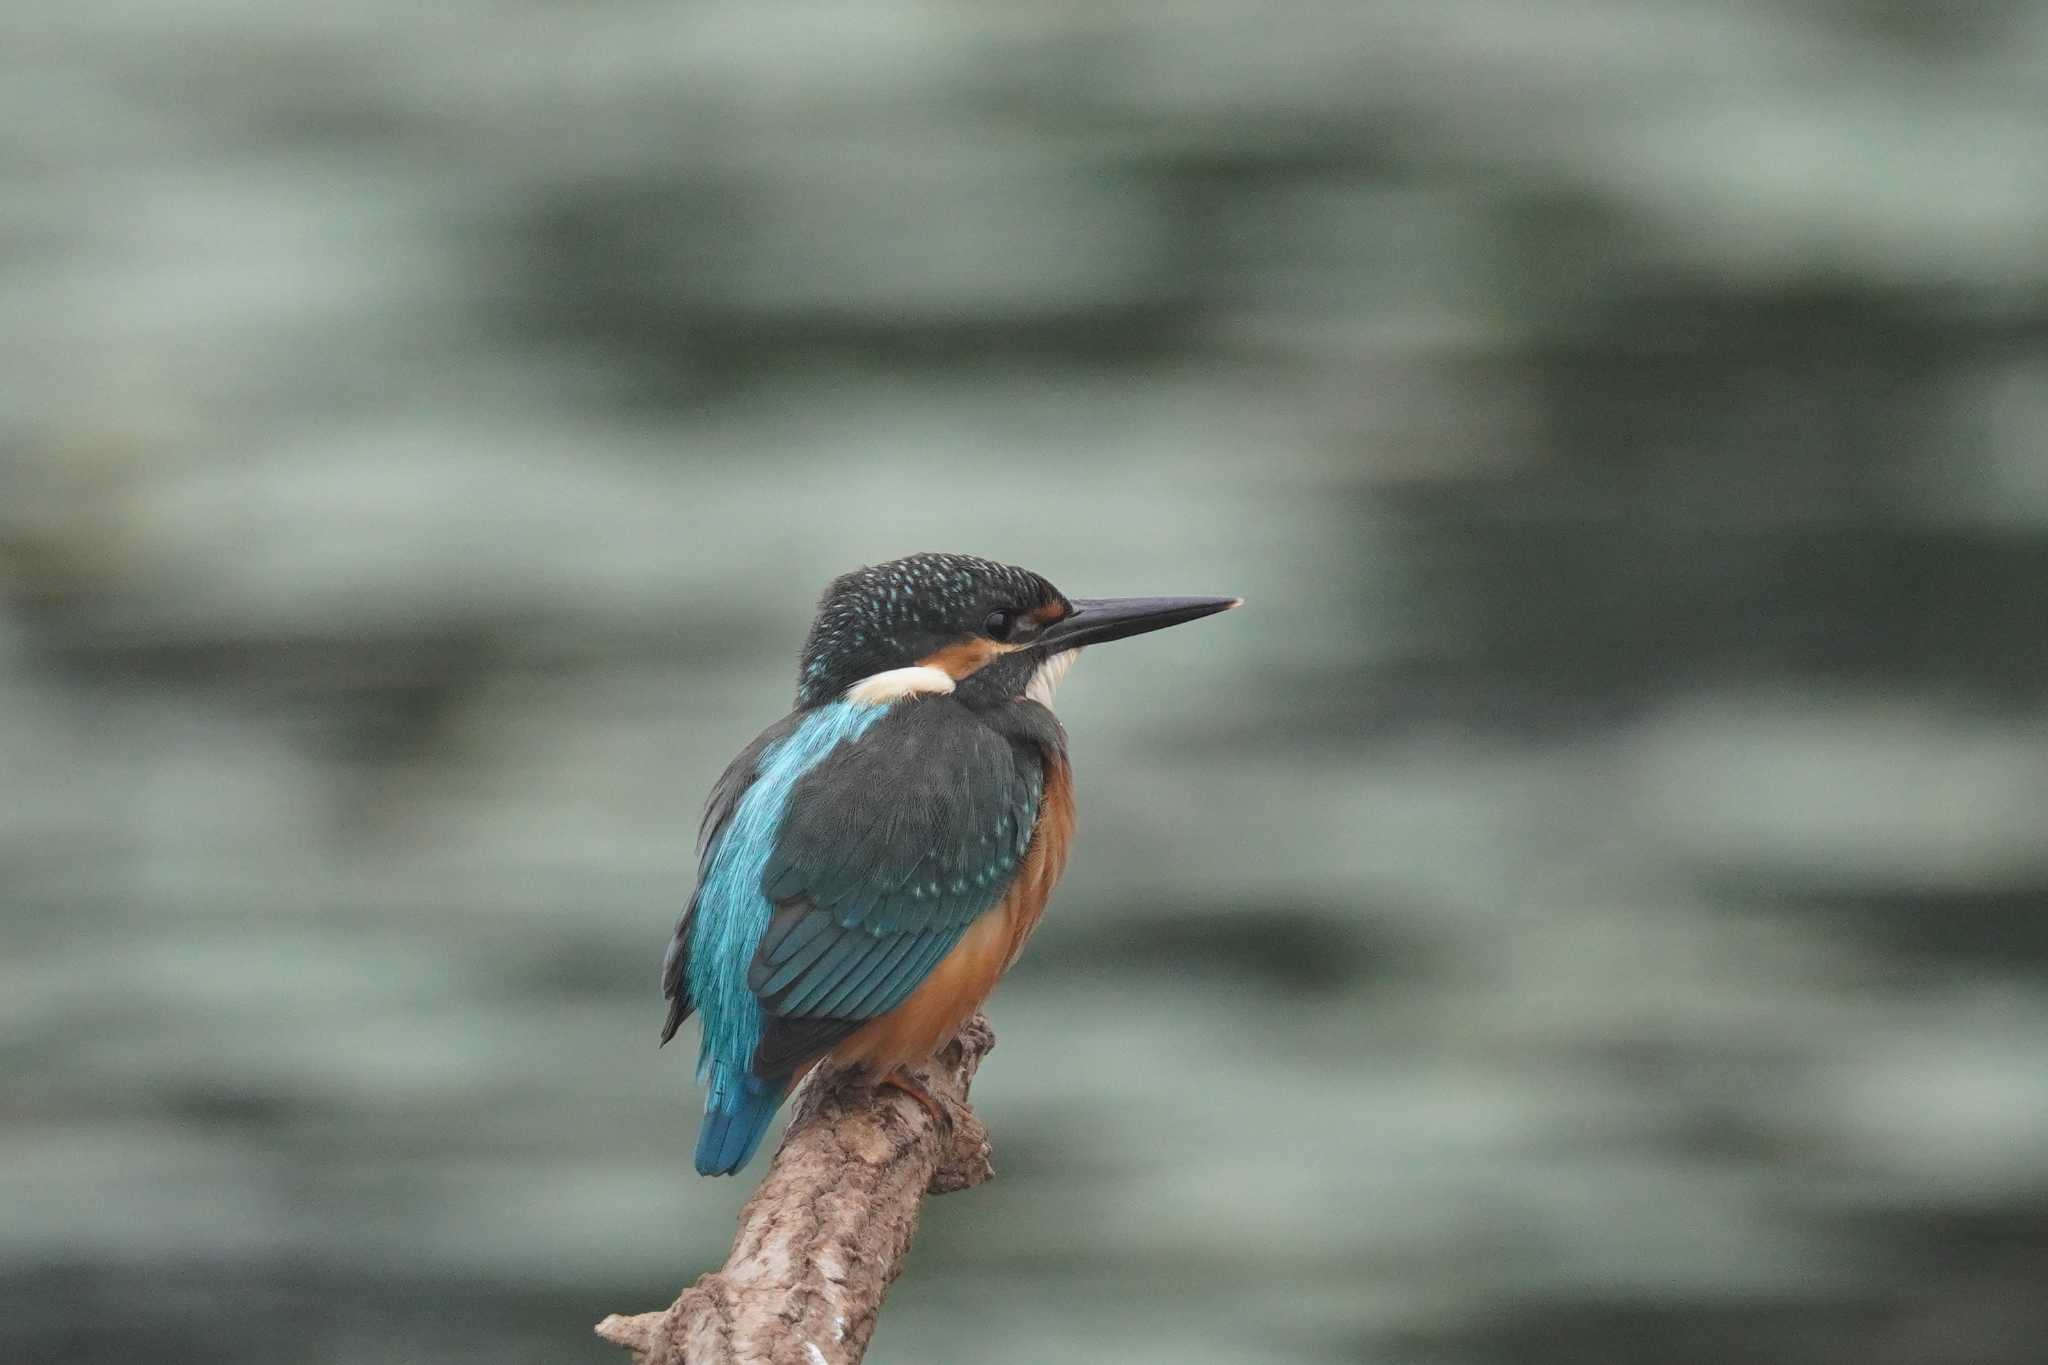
<point>967,976</point>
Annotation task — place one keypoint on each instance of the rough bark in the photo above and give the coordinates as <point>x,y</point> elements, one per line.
<point>827,1231</point>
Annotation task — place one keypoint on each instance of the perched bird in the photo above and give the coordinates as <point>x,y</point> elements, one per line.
<point>874,861</point>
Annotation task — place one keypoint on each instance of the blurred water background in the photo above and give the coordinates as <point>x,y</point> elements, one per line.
<point>1589,906</point>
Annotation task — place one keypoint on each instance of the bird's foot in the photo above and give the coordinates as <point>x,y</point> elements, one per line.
<point>901,1079</point>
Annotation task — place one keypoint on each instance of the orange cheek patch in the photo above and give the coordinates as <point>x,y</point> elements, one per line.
<point>969,656</point>
<point>974,653</point>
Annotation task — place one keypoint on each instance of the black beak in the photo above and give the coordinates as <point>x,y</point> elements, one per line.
<point>1095,620</point>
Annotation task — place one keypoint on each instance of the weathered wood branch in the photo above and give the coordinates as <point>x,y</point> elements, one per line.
<point>827,1231</point>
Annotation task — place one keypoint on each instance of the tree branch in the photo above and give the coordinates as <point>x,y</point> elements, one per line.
<point>827,1231</point>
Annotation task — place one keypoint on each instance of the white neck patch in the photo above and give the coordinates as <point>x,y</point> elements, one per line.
<point>895,684</point>
<point>1046,678</point>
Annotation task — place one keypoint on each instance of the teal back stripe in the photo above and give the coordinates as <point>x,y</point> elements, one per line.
<point>732,914</point>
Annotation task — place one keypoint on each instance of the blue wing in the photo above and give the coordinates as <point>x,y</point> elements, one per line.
<point>888,850</point>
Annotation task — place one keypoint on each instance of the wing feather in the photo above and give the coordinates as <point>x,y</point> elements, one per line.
<point>888,850</point>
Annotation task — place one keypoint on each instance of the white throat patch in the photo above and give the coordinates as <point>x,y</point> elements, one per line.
<point>895,684</point>
<point>1046,679</point>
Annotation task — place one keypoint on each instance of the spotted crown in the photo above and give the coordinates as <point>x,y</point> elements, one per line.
<point>891,615</point>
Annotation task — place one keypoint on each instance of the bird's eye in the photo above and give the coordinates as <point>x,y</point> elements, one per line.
<point>1000,624</point>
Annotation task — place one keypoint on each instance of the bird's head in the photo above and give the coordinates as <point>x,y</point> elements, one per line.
<point>954,623</point>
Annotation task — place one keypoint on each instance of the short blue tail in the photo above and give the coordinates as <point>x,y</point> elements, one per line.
<point>736,1116</point>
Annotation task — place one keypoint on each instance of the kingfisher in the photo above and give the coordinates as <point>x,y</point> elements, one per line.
<point>871,865</point>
